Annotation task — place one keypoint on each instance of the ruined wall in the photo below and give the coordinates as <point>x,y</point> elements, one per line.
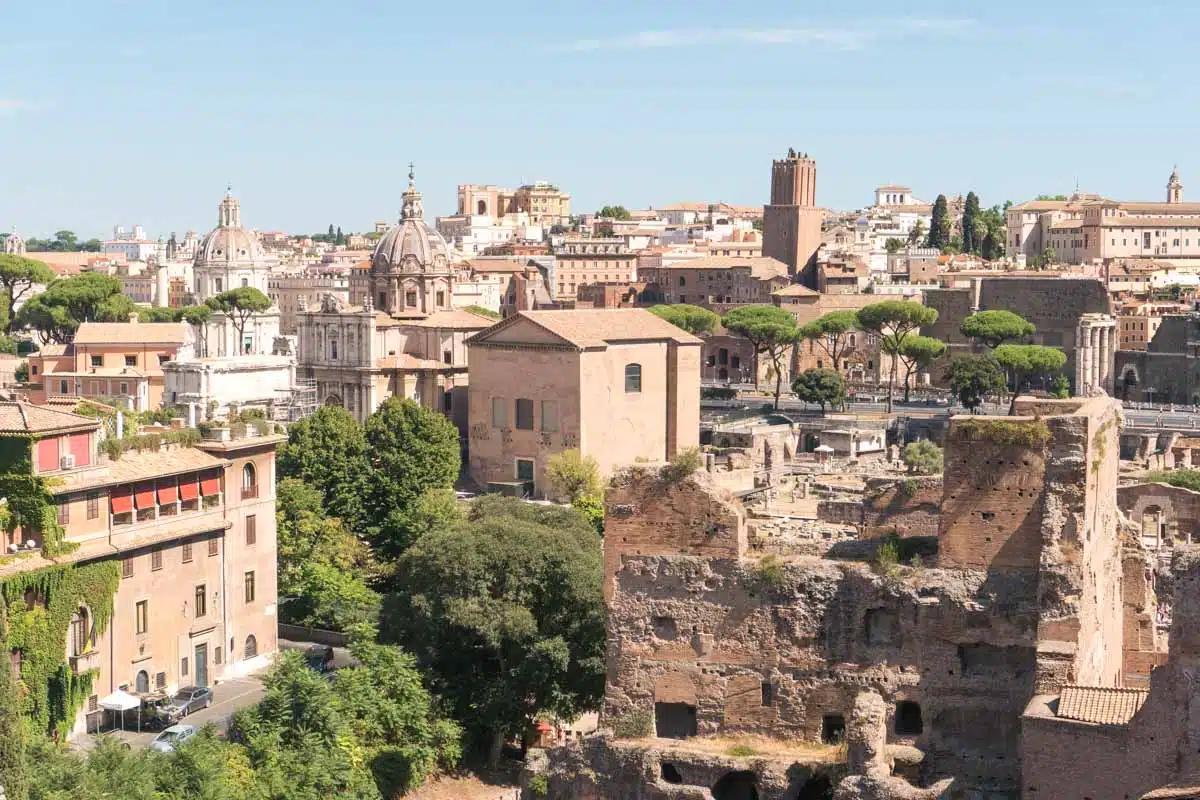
<point>907,507</point>
<point>1151,505</point>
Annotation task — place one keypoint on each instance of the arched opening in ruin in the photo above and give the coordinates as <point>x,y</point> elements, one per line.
<point>674,720</point>
<point>670,773</point>
<point>736,786</point>
<point>1129,382</point>
<point>1152,521</point>
<point>833,728</point>
<point>908,718</point>
<point>818,787</point>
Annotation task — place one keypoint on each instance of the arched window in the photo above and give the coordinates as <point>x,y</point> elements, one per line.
<point>249,481</point>
<point>142,684</point>
<point>633,378</point>
<point>482,207</point>
<point>251,649</point>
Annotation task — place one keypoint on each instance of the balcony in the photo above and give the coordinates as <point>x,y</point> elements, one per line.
<point>85,661</point>
<point>250,492</point>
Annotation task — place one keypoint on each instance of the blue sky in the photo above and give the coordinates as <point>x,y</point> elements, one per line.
<point>140,112</point>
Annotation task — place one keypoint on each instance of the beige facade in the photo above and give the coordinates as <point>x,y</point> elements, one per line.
<point>545,203</point>
<point>617,385</point>
<point>194,531</point>
<point>294,293</point>
<point>583,261</point>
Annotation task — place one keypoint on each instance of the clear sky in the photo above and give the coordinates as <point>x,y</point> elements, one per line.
<point>140,111</point>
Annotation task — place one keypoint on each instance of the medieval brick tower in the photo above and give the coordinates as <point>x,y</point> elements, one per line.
<point>792,221</point>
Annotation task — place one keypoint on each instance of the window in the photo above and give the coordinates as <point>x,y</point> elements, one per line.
<point>201,601</point>
<point>63,386</point>
<point>908,718</point>
<point>447,357</point>
<point>214,546</point>
<point>382,300</point>
<point>217,654</point>
<point>499,412</point>
<point>441,299</point>
<point>682,282</point>
<point>768,694</point>
<point>64,512</point>
<point>93,505</point>
<point>141,684</point>
<point>447,402</point>
<point>524,469</point>
<point>142,620</point>
<point>127,568</point>
<point>183,667</point>
<point>160,680</point>
<point>162,359</point>
<point>333,350</point>
<point>97,361</point>
<point>549,416</point>
<point>524,414</point>
<point>249,482</point>
<point>245,281</point>
<point>249,587</point>
<point>633,378</point>
<point>131,361</point>
<point>833,728</point>
<point>251,649</point>
<point>410,299</point>
<point>82,640</point>
<point>251,529</point>
<point>124,388</point>
<point>187,552</point>
<point>155,560</point>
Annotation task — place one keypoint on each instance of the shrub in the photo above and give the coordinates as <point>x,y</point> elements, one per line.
<point>1032,434</point>
<point>682,466</point>
<point>909,487</point>
<point>634,725</point>
<point>740,750</point>
<point>887,557</point>
<point>717,393</point>
<point>771,572</point>
<point>1183,478</point>
<point>539,785</point>
<point>923,457</point>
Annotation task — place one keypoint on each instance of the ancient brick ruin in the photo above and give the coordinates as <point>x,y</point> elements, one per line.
<point>1022,660</point>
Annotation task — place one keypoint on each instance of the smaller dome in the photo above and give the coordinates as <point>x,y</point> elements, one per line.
<point>229,244</point>
<point>412,245</point>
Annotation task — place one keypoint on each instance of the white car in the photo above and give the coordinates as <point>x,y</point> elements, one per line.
<point>169,739</point>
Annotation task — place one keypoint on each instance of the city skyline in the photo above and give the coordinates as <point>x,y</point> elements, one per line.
<point>141,115</point>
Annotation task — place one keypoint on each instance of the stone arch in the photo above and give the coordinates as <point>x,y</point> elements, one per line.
<point>250,650</point>
<point>141,683</point>
<point>334,400</point>
<point>481,208</point>
<point>740,785</point>
<point>1129,380</point>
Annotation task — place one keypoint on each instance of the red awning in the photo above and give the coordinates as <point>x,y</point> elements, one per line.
<point>122,501</point>
<point>189,489</point>
<point>47,452</point>
<point>168,492</point>
<point>143,494</point>
<point>81,448</point>
<point>210,484</point>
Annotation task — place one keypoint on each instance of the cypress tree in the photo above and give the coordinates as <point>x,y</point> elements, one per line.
<point>971,243</point>
<point>939,227</point>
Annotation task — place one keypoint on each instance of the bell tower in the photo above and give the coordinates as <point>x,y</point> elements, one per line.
<point>1174,188</point>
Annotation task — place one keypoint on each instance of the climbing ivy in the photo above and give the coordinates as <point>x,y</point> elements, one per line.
<point>30,504</point>
<point>41,604</point>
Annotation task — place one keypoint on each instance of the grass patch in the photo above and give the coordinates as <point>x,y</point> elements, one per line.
<point>740,751</point>
<point>771,572</point>
<point>682,466</point>
<point>634,725</point>
<point>1032,433</point>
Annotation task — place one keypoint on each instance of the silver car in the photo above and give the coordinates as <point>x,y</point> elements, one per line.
<point>187,700</point>
<point>172,737</point>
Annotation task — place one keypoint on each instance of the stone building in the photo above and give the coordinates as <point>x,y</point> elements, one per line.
<point>792,220</point>
<point>407,339</point>
<point>582,261</point>
<point>1031,593</point>
<point>716,282</point>
<point>192,532</point>
<point>1168,370</point>
<point>618,385</point>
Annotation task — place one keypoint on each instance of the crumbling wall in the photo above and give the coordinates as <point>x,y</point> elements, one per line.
<point>1177,510</point>
<point>907,507</point>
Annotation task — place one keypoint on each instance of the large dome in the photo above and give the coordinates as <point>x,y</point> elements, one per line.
<point>229,244</point>
<point>412,245</point>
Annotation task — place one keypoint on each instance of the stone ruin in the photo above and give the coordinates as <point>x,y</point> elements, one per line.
<point>1020,660</point>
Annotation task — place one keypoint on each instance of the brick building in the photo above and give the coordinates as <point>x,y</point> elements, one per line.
<point>792,220</point>
<point>617,385</point>
<point>580,261</point>
<point>193,531</point>
<point>716,282</point>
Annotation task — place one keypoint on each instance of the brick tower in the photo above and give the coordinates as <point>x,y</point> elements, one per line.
<point>792,221</point>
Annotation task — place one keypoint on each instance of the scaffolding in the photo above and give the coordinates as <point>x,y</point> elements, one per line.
<point>299,401</point>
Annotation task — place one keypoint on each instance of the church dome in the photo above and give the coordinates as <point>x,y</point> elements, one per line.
<point>412,245</point>
<point>229,244</point>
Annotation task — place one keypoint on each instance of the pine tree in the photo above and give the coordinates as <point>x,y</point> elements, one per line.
<point>939,227</point>
<point>331,234</point>
<point>972,243</point>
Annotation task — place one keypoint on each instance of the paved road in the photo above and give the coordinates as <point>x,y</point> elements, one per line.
<point>229,696</point>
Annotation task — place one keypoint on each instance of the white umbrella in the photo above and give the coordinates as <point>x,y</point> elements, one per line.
<point>823,449</point>
<point>122,701</point>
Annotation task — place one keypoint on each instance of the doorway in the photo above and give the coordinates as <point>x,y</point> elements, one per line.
<point>201,665</point>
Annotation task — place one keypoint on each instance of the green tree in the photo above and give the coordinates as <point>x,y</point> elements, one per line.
<point>973,377</point>
<point>340,238</point>
<point>972,242</point>
<point>411,449</point>
<point>331,233</point>
<point>917,234</point>
<point>506,613</point>
<point>18,276</point>
<point>915,353</point>
<point>1051,197</point>
<point>993,247</point>
<point>820,386</point>
<point>771,330</point>
<point>893,245</point>
<point>615,212</point>
<point>923,457</point>
<point>328,451</point>
<point>894,321</point>
<point>21,374</point>
<point>12,727</point>
<point>573,475</point>
<point>994,328</point>
<point>1049,256</point>
<point>832,333</point>
<point>690,318</point>
<point>8,345</point>
<point>67,303</point>
<point>1025,361</point>
<point>939,226</point>
<point>1060,387</point>
<point>239,305</point>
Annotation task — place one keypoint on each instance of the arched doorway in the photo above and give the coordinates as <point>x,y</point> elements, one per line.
<point>251,649</point>
<point>1129,382</point>
<point>141,684</point>
<point>736,786</point>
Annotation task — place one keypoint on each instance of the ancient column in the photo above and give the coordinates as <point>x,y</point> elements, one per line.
<point>1080,348</point>
<point>1085,358</point>
<point>1106,358</point>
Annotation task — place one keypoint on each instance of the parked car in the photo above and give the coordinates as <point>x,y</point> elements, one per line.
<point>319,657</point>
<point>187,700</point>
<point>172,737</point>
<point>155,716</point>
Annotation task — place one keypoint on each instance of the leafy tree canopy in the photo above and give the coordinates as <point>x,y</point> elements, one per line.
<point>18,276</point>
<point>821,386</point>
<point>328,451</point>
<point>893,245</point>
<point>67,303</point>
<point>64,241</point>
<point>483,312</point>
<point>1051,197</point>
<point>770,329</point>
<point>923,456</point>
<point>994,328</point>
<point>692,319</point>
<point>1025,361</point>
<point>614,212</point>
<point>973,377</point>
<point>506,612</point>
<point>573,475</point>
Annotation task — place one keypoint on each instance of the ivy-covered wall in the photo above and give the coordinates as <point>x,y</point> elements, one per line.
<point>30,504</point>
<point>40,605</point>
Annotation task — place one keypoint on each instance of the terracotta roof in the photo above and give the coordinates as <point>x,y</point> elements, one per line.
<point>1067,223</point>
<point>498,264</point>
<point>132,333</point>
<point>597,327</point>
<point>134,466</point>
<point>1148,221</point>
<point>1100,705</point>
<point>26,418</point>
<point>795,290</point>
<point>456,318</point>
<point>760,266</point>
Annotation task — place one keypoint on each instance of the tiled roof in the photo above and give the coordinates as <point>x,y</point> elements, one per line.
<point>760,266</point>
<point>26,418</point>
<point>795,290</point>
<point>1100,705</point>
<point>456,318</point>
<point>598,327</point>
<point>132,333</point>
<point>498,264</point>
<point>134,466</point>
<point>407,361</point>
